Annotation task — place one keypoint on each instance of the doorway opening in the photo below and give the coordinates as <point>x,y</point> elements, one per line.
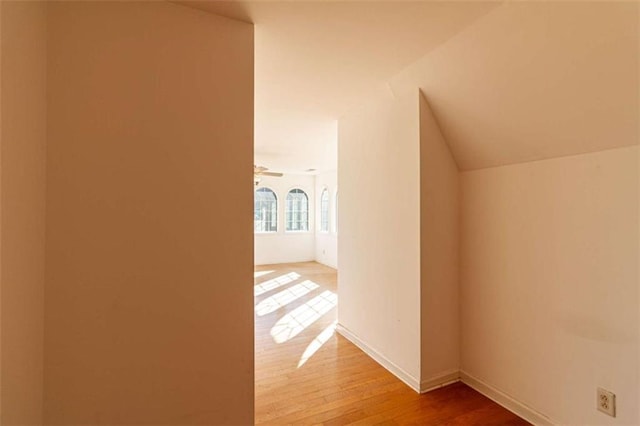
<point>295,285</point>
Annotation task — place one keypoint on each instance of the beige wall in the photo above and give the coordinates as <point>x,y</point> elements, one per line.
<point>379,244</point>
<point>23,138</point>
<point>532,80</point>
<point>550,283</point>
<point>148,307</point>
<point>439,249</point>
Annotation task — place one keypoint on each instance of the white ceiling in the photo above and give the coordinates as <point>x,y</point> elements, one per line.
<point>316,60</point>
<point>508,82</point>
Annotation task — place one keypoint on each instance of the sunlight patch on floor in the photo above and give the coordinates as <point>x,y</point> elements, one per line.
<point>275,283</point>
<point>303,316</point>
<point>258,274</point>
<point>284,297</point>
<point>317,343</point>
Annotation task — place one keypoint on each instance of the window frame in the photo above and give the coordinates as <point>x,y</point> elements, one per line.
<point>335,212</point>
<point>276,200</point>
<point>325,210</point>
<point>297,190</point>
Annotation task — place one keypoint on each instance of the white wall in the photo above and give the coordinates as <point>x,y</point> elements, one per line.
<point>283,246</point>
<point>379,244</point>
<point>148,289</point>
<point>23,155</point>
<point>326,244</point>
<point>399,240</point>
<point>549,283</point>
<point>439,253</point>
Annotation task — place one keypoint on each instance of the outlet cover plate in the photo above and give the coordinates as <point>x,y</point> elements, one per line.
<point>606,402</point>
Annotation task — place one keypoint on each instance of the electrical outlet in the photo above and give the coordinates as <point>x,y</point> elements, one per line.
<point>606,402</point>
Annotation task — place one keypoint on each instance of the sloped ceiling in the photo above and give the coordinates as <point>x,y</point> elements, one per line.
<point>508,82</point>
<point>531,81</point>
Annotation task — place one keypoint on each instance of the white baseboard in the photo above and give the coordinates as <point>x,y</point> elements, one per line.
<point>286,261</point>
<point>326,263</point>
<point>439,381</point>
<point>508,402</point>
<point>501,398</point>
<point>407,378</point>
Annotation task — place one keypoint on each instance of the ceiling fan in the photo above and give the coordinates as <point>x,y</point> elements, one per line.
<point>259,171</point>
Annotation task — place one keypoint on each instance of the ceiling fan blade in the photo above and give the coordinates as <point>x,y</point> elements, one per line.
<point>270,174</point>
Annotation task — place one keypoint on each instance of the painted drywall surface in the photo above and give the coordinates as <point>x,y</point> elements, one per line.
<point>23,209</point>
<point>534,80</point>
<point>283,246</point>
<point>439,251</point>
<point>1,397</point>
<point>148,293</point>
<point>549,283</point>
<point>638,253</point>
<point>379,244</point>
<point>327,242</point>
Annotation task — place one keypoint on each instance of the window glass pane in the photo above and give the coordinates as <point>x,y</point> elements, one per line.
<point>296,212</point>
<point>265,211</point>
<point>324,211</point>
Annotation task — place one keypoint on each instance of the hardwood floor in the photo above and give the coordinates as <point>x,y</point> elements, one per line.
<point>308,374</point>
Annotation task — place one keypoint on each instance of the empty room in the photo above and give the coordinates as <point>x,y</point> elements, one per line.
<point>319,212</point>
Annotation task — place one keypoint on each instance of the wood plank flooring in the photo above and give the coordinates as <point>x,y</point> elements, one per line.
<point>308,374</point>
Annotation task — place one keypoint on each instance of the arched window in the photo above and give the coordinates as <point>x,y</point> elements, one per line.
<point>324,211</point>
<point>335,216</point>
<point>296,211</point>
<point>265,211</point>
